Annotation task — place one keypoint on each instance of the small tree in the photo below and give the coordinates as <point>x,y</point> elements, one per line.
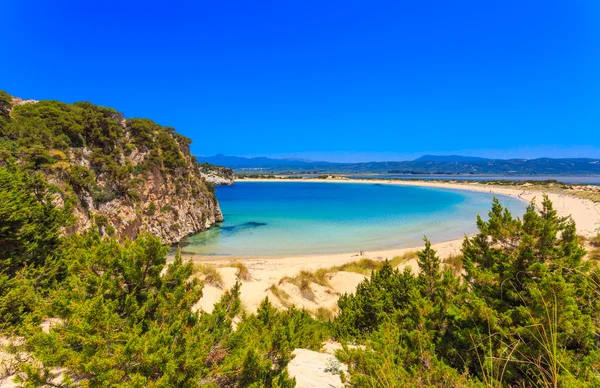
<point>429,264</point>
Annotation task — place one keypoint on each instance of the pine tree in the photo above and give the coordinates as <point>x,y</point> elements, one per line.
<point>429,266</point>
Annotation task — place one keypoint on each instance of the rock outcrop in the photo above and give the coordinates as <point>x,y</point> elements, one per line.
<point>168,204</point>
<point>217,175</point>
<point>123,176</point>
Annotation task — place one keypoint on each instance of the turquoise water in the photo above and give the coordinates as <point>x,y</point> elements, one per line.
<point>292,218</point>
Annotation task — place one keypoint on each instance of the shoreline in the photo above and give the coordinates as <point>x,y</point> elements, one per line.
<point>584,212</point>
<point>269,270</point>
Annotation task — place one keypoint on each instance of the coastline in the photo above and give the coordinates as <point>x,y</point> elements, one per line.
<point>267,271</point>
<point>584,212</point>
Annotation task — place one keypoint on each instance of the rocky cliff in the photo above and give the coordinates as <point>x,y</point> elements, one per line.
<point>217,175</point>
<point>122,176</point>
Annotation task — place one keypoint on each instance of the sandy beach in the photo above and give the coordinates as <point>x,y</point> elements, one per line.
<point>267,271</point>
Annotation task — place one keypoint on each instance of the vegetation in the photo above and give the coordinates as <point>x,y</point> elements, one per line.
<point>525,312</point>
<point>422,166</point>
<point>519,307</point>
<point>280,294</point>
<point>119,322</point>
<point>594,247</point>
<point>94,155</point>
<point>209,274</point>
<point>243,274</point>
<point>366,266</point>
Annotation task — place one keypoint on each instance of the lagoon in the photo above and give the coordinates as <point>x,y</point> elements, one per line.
<point>298,218</point>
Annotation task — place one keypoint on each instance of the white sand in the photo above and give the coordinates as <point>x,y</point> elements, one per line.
<point>314,370</point>
<point>269,270</point>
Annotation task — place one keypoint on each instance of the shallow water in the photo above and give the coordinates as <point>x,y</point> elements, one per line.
<point>571,179</point>
<point>293,218</point>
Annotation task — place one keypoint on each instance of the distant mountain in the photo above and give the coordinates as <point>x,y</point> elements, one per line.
<point>428,164</point>
<point>240,162</point>
<point>450,158</point>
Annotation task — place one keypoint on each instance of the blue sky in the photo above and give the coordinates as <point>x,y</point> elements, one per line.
<point>329,80</point>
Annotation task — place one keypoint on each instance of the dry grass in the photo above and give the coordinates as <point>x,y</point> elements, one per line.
<point>593,196</point>
<point>362,266</point>
<point>594,247</point>
<point>304,280</point>
<point>455,263</point>
<point>280,294</point>
<point>396,261</point>
<point>307,277</point>
<point>209,274</point>
<point>366,266</point>
<point>242,271</point>
<point>324,314</point>
<point>585,192</point>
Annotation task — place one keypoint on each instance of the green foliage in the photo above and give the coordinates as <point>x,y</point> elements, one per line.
<point>123,324</point>
<point>122,319</point>
<point>530,287</point>
<point>387,291</point>
<point>525,313</point>
<point>171,153</point>
<point>29,221</point>
<point>151,209</point>
<point>102,194</point>
<point>29,237</point>
<point>5,105</point>
<point>35,133</point>
<point>81,178</point>
<point>5,102</point>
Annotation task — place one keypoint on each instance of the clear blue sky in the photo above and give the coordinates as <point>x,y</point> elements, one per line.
<point>332,80</point>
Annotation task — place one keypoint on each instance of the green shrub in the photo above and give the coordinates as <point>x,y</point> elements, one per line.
<point>103,194</point>
<point>151,209</point>
<point>81,178</point>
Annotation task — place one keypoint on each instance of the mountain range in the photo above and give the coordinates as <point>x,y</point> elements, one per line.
<point>427,164</point>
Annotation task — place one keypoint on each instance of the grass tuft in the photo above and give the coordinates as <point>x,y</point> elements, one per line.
<point>455,263</point>
<point>362,266</point>
<point>209,274</point>
<point>594,251</point>
<point>280,294</point>
<point>307,277</point>
<point>396,261</point>
<point>304,279</point>
<point>242,271</point>
<point>324,314</point>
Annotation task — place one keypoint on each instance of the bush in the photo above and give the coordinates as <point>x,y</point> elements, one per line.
<point>81,178</point>
<point>151,209</point>
<point>525,312</point>
<point>103,194</point>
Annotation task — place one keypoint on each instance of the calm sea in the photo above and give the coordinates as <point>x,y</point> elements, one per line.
<point>573,179</point>
<point>293,218</point>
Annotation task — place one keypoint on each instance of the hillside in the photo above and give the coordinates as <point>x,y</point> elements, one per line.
<point>428,164</point>
<point>125,175</point>
<point>261,162</point>
<point>449,158</point>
